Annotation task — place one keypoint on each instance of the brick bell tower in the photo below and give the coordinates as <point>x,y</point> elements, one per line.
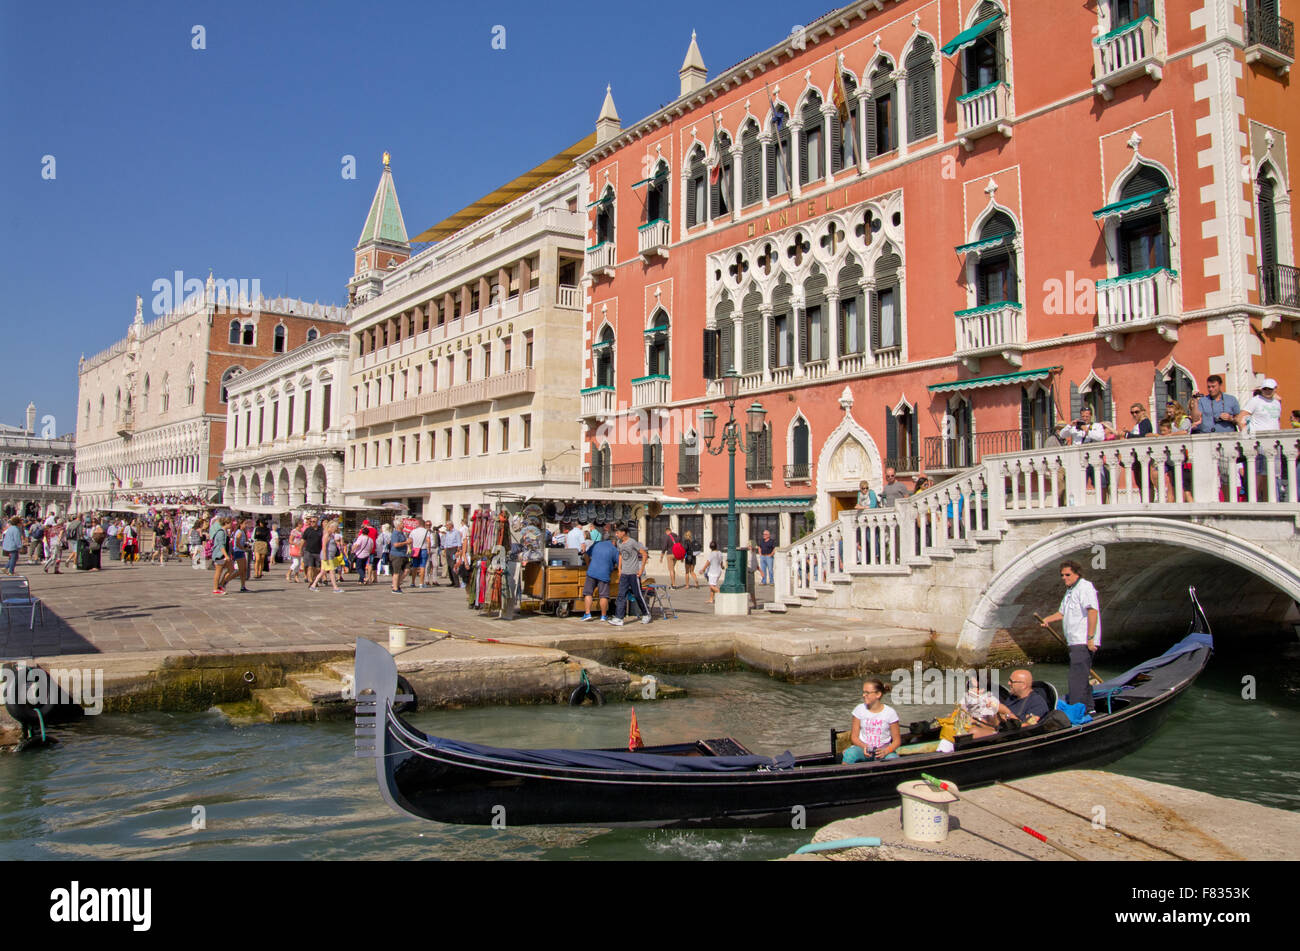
<point>383,244</point>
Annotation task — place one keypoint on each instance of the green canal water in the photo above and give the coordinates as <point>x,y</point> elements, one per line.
<point>128,786</point>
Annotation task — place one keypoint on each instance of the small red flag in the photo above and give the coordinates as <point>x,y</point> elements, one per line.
<point>634,734</point>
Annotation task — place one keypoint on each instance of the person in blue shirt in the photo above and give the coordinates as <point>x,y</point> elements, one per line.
<point>603,557</point>
<point>1215,411</point>
<point>12,544</point>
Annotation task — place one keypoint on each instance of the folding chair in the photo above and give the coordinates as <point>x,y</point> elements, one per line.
<point>15,593</point>
<point>659,596</point>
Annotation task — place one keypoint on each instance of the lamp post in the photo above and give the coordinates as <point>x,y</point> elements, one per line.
<point>732,598</point>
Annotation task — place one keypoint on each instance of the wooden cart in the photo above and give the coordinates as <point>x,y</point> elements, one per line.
<point>558,588</point>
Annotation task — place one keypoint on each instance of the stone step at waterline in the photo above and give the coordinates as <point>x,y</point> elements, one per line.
<point>318,688</point>
<point>340,670</point>
<point>283,705</point>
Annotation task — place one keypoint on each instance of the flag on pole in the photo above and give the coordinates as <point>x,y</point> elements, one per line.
<point>778,119</point>
<point>634,734</point>
<point>840,98</point>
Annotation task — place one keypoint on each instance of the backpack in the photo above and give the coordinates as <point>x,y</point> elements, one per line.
<point>679,550</point>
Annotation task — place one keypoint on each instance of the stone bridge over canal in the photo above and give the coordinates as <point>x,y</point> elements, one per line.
<point>973,558</point>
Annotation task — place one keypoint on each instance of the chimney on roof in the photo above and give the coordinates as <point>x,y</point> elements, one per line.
<point>693,74</point>
<point>608,123</point>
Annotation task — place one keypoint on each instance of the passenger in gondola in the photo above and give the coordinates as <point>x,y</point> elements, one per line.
<point>874,733</point>
<point>1026,705</point>
<point>978,715</point>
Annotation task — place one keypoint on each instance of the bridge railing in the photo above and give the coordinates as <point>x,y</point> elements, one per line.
<point>1191,474</point>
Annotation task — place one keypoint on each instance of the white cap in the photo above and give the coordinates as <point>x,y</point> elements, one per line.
<point>1269,384</point>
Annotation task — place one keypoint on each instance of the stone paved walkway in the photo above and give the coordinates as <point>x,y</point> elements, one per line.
<point>171,609</point>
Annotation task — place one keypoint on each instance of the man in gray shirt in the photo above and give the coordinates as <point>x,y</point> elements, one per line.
<point>631,565</point>
<point>893,490</point>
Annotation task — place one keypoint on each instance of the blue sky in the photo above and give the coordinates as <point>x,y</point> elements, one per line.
<point>170,158</point>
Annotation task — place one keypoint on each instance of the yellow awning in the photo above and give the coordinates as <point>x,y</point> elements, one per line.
<point>551,168</point>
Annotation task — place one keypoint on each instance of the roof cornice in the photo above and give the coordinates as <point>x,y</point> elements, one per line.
<point>824,27</point>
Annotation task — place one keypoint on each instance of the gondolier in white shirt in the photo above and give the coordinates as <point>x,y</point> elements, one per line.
<point>1081,613</point>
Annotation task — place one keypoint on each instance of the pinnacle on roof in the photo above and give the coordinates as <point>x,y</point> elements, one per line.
<point>384,224</point>
<point>607,110</point>
<point>693,58</point>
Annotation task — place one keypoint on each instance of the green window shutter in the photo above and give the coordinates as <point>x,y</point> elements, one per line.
<point>1161,393</point>
<point>751,162</point>
<point>1026,420</point>
<point>801,315</point>
<point>727,345</point>
<point>837,142</point>
<point>1076,402</point>
<point>875,320</point>
<point>842,329</point>
<point>914,449</point>
<point>1267,223</point>
<point>891,437</point>
<point>1107,410</point>
<point>771,168</point>
<point>753,344</point>
<point>691,209</point>
<point>710,354</point>
<point>870,119</point>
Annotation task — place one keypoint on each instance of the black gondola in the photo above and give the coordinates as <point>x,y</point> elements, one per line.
<point>719,783</point>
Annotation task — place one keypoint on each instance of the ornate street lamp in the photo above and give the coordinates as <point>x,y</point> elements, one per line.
<point>731,440</point>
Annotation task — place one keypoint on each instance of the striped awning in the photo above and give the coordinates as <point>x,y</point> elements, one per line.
<point>968,37</point>
<point>659,177</point>
<point>1002,379</point>
<point>986,244</point>
<point>656,329</point>
<point>1136,203</point>
<point>604,199</point>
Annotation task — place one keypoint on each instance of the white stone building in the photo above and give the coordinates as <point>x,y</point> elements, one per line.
<point>285,433</point>
<point>466,358</point>
<point>151,409</point>
<point>36,472</point>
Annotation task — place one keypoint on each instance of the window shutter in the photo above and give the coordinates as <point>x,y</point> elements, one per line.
<point>837,142</point>
<point>914,449</point>
<point>875,320</point>
<point>753,345</point>
<point>1107,410</point>
<point>1125,257</point>
<point>891,438</point>
<point>715,194</point>
<point>920,92</point>
<point>824,330</point>
<point>870,119</point>
<point>803,155</point>
<point>1267,224</point>
<point>802,317</point>
<point>772,350</point>
<point>842,324</point>
<point>1026,420</point>
<point>691,209</point>
<point>727,344</point>
<point>1076,402</point>
<point>1161,392</point>
<point>771,168</point>
<point>710,354</point>
<point>751,161</point>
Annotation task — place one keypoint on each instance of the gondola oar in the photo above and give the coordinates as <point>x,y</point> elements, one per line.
<point>857,843</point>
<point>1096,679</point>
<point>468,637</point>
<point>947,787</point>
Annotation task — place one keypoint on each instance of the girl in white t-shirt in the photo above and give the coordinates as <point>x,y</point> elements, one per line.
<point>874,733</point>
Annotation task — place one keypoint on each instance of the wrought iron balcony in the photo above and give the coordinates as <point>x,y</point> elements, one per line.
<point>623,475</point>
<point>1270,39</point>
<point>965,451</point>
<point>1279,286</point>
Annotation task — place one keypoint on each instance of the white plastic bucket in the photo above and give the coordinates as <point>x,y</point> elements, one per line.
<point>925,811</point>
<point>396,639</point>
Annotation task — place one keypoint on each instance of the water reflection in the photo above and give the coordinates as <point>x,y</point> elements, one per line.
<point>126,787</point>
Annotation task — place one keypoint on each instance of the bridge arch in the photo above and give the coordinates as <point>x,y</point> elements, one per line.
<point>1147,565</point>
